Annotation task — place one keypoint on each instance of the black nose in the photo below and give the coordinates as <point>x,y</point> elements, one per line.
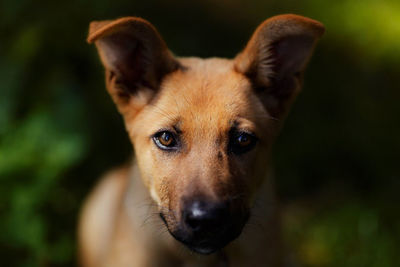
<point>205,217</point>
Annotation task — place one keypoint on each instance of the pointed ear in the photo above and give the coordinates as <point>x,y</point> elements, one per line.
<point>275,59</point>
<point>135,58</point>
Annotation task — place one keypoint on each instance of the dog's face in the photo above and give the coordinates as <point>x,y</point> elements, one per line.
<point>198,153</point>
<point>202,128</point>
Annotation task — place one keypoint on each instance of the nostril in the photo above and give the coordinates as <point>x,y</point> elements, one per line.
<point>193,223</point>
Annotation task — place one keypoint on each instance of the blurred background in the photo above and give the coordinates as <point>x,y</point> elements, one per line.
<point>337,160</point>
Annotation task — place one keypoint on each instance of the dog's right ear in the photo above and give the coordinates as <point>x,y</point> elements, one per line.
<point>135,58</point>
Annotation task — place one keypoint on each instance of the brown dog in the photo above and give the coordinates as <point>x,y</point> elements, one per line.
<point>202,130</point>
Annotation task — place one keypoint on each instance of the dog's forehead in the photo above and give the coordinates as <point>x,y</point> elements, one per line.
<point>208,93</point>
<point>204,100</point>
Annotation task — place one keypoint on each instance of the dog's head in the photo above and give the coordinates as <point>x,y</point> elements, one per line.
<point>202,128</point>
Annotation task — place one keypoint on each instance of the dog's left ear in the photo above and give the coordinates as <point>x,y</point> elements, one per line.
<point>275,58</point>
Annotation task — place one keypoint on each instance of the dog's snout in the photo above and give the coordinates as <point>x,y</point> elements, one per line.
<point>206,226</point>
<point>200,216</point>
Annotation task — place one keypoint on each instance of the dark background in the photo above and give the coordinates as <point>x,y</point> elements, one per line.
<point>336,161</point>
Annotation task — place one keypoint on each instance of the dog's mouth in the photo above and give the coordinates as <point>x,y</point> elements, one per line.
<point>211,240</point>
<point>207,245</point>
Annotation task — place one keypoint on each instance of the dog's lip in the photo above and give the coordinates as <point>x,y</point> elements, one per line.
<point>163,219</point>
<point>203,248</point>
<point>206,247</point>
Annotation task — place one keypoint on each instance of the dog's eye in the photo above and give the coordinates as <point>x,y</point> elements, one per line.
<point>165,140</point>
<point>242,142</point>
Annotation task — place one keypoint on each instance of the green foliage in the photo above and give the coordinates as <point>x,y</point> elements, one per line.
<point>351,233</point>
<point>59,131</point>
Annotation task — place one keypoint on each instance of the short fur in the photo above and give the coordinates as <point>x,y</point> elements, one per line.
<point>201,101</point>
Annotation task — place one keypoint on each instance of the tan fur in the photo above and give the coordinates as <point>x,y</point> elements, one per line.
<point>202,99</point>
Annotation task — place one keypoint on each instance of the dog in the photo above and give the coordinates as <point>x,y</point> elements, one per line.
<point>199,191</point>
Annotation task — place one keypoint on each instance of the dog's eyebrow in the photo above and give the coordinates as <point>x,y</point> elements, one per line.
<point>177,128</point>
<point>243,123</point>
<point>171,123</point>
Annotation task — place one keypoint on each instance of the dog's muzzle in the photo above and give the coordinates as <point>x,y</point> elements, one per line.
<point>206,227</point>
